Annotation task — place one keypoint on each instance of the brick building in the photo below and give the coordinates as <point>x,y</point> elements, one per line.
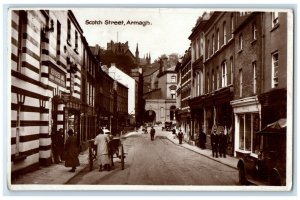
<point>183,114</point>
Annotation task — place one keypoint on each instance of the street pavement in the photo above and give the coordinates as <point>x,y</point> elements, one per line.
<point>59,174</point>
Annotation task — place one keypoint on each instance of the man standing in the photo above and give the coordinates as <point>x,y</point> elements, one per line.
<point>180,136</point>
<point>101,141</point>
<point>214,143</point>
<point>202,137</point>
<point>222,144</point>
<point>152,133</point>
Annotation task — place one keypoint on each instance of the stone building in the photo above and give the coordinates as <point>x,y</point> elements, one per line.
<point>160,99</point>
<point>46,62</point>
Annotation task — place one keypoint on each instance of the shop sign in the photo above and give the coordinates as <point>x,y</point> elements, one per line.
<point>57,76</point>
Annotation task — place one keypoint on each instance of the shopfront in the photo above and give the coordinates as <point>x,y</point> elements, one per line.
<point>247,120</point>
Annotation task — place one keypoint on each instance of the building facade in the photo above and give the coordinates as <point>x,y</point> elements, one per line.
<point>160,101</point>
<point>260,89</point>
<point>184,81</point>
<point>46,62</point>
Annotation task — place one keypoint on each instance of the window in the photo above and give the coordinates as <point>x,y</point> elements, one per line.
<point>254,76</point>
<point>58,32</point>
<point>213,43</point>
<point>69,32</point>
<point>241,82</point>
<point>173,79</point>
<point>224,33</point>
<point>248,126</point>
<point>212,80</point>
<point>22,24</point>
<point>173,94</point>
<point>232,25</point>
<point>224,74</point>
<point>162,112</point>
<point>201,43</point>
<point>218,39</point>
<point>241,41</point>
<point>274,19</point>
<point>275,69</point>
<point>208,49</point>
<point>201,82</point>
<point>218,78</point>
<point>193,52</point>
<point>198,84</point>
<point>254,31</point>
<point>76,41</point>
<point>197,48</point>
<point>208,82</point>
<point>231,70</point>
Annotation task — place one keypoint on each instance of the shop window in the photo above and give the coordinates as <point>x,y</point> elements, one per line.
<point>248,126</point>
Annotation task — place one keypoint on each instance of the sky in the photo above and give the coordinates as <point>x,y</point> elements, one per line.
<point>166,30</point>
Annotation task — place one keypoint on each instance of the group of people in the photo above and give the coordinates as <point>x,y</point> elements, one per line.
<point>218,144</point>
<point>68,151</point>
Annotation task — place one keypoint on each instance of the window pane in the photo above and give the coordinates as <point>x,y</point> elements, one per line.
<point>248,132</point>
<point>241,133</point>
<point>255,130</point>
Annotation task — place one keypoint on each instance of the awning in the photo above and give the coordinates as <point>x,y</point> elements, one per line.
<point>276,127</point>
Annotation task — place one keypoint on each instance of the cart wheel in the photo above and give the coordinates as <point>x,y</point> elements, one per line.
<point>91,159</point>
<point>122,157</point>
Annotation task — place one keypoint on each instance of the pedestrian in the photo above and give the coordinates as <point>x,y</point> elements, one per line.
<point>71,151</point>
<point>173,131</point>
<point>180,136</point>
<point>55,151</point>
<point>152,133</point>
<point>202,137</point>
<point>214,143</point>
<point>101,141</point>
<point>60,142</point>
<point>222,144</point>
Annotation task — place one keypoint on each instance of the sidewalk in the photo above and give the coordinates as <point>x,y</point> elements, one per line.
<point>229,161</point>
<point>53,174</point>
<point>56,173</point>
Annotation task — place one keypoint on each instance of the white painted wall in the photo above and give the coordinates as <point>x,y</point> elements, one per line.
<point>128,81</point>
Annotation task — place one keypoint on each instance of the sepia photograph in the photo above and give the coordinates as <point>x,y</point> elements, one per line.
<point>150,98</point>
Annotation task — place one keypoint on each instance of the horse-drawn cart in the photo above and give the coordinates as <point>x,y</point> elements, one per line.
<point>115,150</point>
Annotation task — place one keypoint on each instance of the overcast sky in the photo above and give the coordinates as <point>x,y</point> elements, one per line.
<point>167,31</point>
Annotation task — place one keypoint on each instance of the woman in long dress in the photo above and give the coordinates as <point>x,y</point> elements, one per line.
<point>71,151</point>
<point>101,141</point>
